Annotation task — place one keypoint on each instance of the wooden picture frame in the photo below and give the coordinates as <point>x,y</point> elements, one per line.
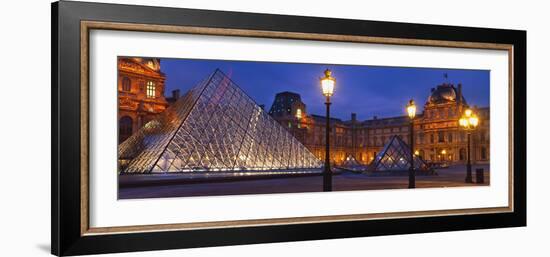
<point>71,25</point>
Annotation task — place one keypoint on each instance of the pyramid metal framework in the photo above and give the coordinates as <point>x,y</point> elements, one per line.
<point>350,161</point>
<point>215,126</point>
<point>395,156</point>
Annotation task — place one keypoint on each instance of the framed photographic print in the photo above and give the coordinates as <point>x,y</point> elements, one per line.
<point>178,128</point>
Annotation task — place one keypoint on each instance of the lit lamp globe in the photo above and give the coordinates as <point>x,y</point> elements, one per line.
<point>469,120</point>
<point>411,109</point>
<point>327,83</point>
<point>463,122</point>
<point>473,120</point>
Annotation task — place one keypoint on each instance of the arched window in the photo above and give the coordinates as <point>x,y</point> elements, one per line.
<point>483,153</point>
<point>126,84</point>
<point>124,128</point>
<point>150,89</point>
<point>462,154</point>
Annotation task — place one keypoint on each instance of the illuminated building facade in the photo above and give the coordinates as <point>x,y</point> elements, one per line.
<point>438,137</point>
<point>140,94</point>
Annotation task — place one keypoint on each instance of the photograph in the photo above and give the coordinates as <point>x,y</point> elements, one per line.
<point>206,127</point>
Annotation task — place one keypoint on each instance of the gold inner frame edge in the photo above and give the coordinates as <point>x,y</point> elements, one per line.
<point>86,26</point>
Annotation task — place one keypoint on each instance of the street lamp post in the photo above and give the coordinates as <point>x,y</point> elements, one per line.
<point>469,122</point>
<point>327,85</point>
<point>411,111</point>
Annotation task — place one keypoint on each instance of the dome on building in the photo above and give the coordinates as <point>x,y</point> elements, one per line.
<point>444,93</point>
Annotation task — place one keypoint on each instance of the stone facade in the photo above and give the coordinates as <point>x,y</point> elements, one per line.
<point>140,93</point>
<point>438,137</point>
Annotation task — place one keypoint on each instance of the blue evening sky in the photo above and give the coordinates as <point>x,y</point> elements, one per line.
<point>365,90</point>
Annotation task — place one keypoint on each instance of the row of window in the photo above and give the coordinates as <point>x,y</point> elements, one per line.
<point>150,88</point>
<point>441,113</point>
<point>462,155</point>
<point>449,137</point>
<point>438,137</point>
<point>338,141</point>
<point>386,130</point>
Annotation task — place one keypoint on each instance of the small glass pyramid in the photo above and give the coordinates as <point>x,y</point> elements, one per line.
<point>395,156</point>
<point>350,161</point>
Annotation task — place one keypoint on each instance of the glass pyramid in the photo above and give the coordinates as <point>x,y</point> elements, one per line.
<point>214,127</point>
<point>395,156</point>
<point>350,161</point>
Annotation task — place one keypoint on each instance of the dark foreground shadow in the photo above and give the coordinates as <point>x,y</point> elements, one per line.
<point>44,247</point>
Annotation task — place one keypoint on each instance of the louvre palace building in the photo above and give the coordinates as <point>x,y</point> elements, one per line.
<point>140,93</point>
<point>438,137</point>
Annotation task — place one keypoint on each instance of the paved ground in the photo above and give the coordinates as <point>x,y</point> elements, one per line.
<point>450,177</point>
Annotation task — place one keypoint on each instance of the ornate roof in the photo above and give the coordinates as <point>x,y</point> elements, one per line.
<point>141,66</point>
<point>151,63</point>
<point>444,93</point>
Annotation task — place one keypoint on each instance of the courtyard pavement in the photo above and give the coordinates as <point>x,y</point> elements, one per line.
<point>453,176</point>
